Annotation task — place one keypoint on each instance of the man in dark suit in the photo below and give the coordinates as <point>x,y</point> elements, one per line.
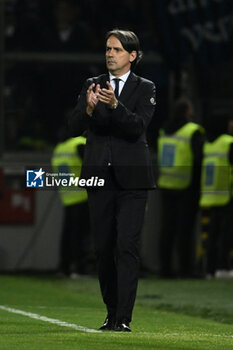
<point>116,109</point>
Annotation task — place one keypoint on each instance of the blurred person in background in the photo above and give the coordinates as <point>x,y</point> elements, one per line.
<point>116,109</point>
<point>67,31</point>
<point>217,195</point>
<point>179,161</point>
<point>75,243</point>
<point>66,34</point>
<point>25,127</point>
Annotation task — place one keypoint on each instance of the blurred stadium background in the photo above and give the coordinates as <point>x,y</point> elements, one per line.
<point>47,49</point>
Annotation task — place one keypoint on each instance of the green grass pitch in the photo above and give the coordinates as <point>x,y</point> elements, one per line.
<point>169,314</point>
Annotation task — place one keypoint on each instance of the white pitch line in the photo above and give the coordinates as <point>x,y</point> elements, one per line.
<point>48,319</point>
<point>90,330</point>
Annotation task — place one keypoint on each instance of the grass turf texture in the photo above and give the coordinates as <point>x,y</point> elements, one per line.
<point>169,314</point>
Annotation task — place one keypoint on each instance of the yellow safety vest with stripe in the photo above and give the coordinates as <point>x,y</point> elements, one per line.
<point>65,160</point>
<point>175,157</point>
<point>217,173</point>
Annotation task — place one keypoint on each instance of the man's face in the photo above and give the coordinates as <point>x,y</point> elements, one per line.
<point>118,60</point>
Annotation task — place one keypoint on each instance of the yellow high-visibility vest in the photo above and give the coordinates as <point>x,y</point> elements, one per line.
<point>175,157</point>
<point>65,160</point>
<point>217,172</point>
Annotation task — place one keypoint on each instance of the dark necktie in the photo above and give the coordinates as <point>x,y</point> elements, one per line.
<point>116,90</point>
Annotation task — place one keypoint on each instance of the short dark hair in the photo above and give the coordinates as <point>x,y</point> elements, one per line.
<point>129,41</point>
<point>181,107</point>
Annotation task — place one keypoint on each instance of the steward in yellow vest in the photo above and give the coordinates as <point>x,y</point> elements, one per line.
<point>217,172</point>
<point>75,238</point>
<point>66,159</point>
<point>179,167</point>
<point>217,195</point>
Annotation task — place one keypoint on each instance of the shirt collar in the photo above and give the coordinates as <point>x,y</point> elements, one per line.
<point>122,78</point>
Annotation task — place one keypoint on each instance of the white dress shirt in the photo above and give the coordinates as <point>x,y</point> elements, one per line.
<point>122,80</point>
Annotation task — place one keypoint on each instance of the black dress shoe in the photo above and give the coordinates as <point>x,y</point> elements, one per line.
<point>122,326</point>
<point>109,324</point>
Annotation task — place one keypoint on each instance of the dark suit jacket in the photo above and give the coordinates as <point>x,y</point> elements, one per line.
<point>118,136</point>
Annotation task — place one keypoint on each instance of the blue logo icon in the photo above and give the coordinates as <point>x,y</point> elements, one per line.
<point>35,178</point>
<point>168,155</point>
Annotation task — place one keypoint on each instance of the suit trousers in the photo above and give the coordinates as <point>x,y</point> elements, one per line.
<point>179,212</point>
<point>116,218</point>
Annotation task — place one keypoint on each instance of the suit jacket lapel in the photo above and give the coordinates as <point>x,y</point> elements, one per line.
<point>103,79</point>
<point>129,87</point>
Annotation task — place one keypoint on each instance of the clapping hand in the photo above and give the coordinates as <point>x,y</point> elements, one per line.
<point>92,98</point>
<point>107,96</point>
